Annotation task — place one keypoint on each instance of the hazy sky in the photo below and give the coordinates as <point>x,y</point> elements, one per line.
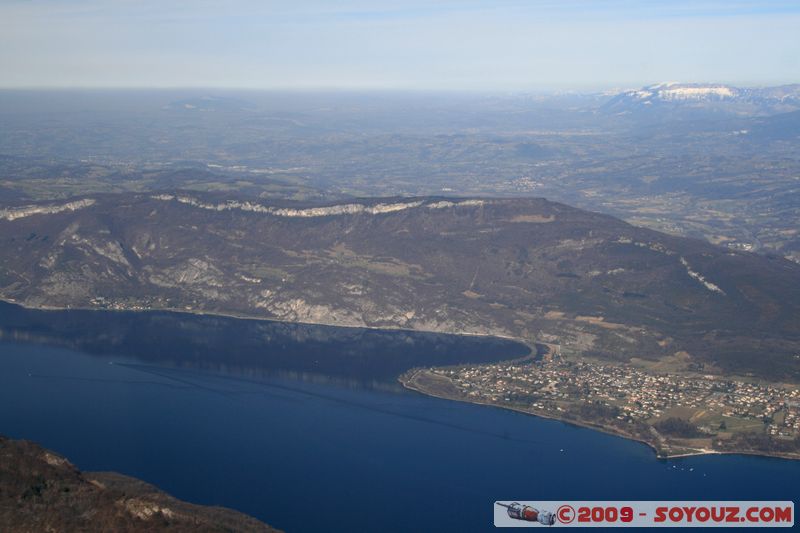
<point>431,44</point>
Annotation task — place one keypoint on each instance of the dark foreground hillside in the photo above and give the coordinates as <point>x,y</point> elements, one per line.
<point>41,491</point>
<point>525,268</point>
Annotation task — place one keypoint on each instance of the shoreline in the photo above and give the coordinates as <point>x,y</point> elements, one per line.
<point>407,382</point>
<point>243,316</point>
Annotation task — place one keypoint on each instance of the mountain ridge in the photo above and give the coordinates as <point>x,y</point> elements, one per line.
<point>528,268</point>
<point>717,97</point>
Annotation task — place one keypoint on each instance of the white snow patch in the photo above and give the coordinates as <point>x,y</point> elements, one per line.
<point>693,93</point>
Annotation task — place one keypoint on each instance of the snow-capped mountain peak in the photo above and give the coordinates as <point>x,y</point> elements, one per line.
<point>682,91</point>
<point>707,95</point>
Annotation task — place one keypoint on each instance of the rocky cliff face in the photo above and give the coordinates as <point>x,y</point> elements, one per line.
<point>525,268</point>
<point>44,209</point>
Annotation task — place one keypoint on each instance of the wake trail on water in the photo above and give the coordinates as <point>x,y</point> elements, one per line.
<point>168,373</point>
<point>106,380</point>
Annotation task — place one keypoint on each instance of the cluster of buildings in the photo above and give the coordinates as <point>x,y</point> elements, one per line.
<point>138,304</point>
<point>638,394</point>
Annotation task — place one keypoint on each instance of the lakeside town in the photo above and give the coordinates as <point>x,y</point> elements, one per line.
<point>676,414</point>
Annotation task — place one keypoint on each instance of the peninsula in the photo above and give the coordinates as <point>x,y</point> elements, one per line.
<point>675,414</point>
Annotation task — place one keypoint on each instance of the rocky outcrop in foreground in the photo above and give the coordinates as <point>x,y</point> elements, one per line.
<point>42,491</point>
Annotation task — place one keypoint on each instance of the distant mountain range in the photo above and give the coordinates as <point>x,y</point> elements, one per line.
<point>717,97</point>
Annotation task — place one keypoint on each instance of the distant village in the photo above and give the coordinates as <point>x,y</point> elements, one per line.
<point>713,403</point>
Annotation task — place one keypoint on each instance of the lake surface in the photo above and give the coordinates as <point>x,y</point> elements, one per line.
<point>306,429</point>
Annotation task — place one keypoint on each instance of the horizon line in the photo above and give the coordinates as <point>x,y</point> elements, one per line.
<point>545,88</point>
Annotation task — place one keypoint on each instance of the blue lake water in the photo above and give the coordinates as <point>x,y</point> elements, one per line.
<point>317,447</point>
